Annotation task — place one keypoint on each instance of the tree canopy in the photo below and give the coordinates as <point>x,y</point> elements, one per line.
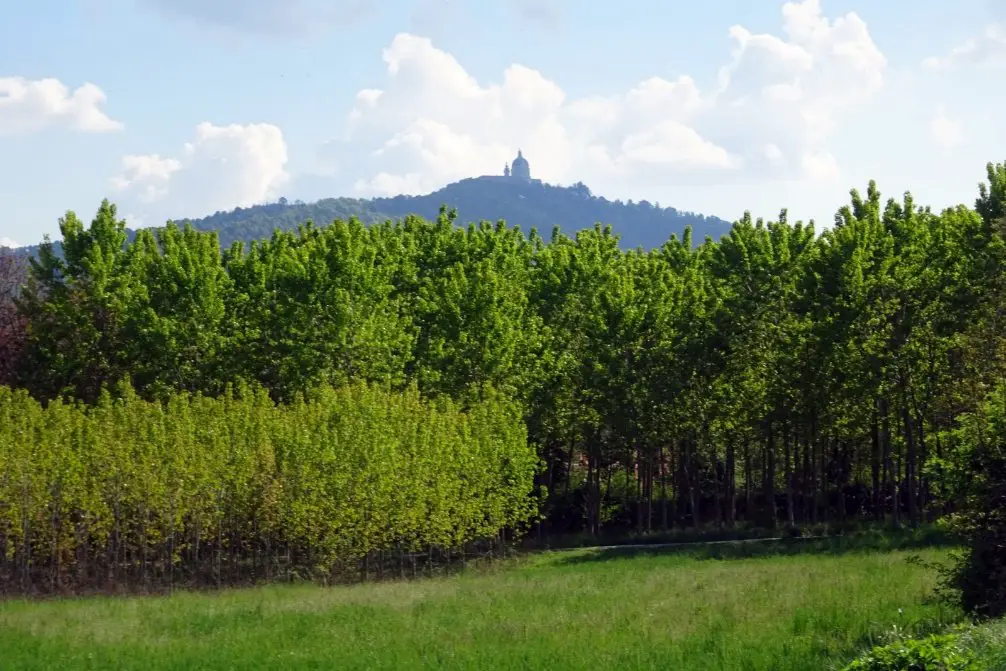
<point>777,375</point>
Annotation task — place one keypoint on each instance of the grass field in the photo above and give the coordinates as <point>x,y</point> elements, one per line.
<point>988,641</point>
<point>791,606</point>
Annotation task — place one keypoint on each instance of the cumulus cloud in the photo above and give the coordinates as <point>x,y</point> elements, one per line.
<point>989,48</point>
<point>29,106</point>
<point>945,132</point>
<point>277,17</point>
<point>7,242</point>
<point>776,103</point>
<point>223,167</point>
<point>820,166</point>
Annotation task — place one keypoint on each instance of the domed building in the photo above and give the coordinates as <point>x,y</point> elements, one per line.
<point>517,171</point>
<point>520,169</point>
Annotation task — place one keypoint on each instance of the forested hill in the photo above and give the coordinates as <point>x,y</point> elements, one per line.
<point>533,205</point>
<point>57,246</point>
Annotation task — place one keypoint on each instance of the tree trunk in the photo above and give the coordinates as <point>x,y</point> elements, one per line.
<point>910,467</point>
<point>633,455</point>
<point>788,446</point>
<point>769,479</point>
<point>748,478</point>
<point>731,484</point>
<point>807,481</point>
<point>663,490</point>
<point>890,479</point>
<point>923,457</point>
<point>812,449</point>
<point>649,494</point>
<point>875,466</point>
<point>589,493</point>
<point>693,485</point>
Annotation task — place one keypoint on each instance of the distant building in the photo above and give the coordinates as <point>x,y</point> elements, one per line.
<point>519,170</point>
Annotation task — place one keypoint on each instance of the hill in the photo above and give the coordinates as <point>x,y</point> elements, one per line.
<point>526,204</point>
<point>57,246</point>
<point>529,205</point>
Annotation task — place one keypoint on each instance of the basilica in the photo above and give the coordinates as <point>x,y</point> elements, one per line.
<point>518,171</point>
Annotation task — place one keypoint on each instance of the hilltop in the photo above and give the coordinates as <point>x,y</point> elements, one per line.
<point>526,204</point>
<point>514,197</point>
<point>534,205</point>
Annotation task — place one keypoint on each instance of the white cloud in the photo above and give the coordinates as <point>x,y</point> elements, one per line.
<point>945,132</point>
<point>7,242</point>
<point>820,166</point>
<point>147,175</point>
<point>673,143</point>
<point>777,103</point>
<point>29,106</point>
<point>989,48</point>
<point>222,168</point>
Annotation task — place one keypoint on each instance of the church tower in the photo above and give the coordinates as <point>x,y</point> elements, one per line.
<point>520,169</point>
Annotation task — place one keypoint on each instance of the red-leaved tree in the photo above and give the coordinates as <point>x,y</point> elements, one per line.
<point>13,325</point>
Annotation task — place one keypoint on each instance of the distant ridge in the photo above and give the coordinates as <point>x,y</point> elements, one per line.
<point>528,205</point>
<point>513,196</point>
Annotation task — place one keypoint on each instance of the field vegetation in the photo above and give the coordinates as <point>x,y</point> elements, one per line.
<point>803,605</point>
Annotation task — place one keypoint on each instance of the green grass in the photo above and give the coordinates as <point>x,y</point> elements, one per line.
<point>988,641</point>
<point>789,606</point>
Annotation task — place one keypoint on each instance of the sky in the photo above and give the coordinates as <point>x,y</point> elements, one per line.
<point>181,108</point>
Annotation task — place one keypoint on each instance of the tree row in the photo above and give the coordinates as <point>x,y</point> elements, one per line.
<point>778,375</point>
<point>237,489</point>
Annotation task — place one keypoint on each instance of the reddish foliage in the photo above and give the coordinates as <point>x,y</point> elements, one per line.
<point>13,325</point>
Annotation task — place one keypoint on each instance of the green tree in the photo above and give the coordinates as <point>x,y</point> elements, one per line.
<point>77,307</point>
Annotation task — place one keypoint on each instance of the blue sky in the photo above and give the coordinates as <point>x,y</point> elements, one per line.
<point>176,108</point>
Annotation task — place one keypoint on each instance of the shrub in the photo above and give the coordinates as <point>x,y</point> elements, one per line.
<point>978,578</point>
<point>933,653</point>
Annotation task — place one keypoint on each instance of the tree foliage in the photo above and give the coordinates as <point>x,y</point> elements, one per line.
<point>199,490</point>
<point>774,376</point>
<point>13,274</point>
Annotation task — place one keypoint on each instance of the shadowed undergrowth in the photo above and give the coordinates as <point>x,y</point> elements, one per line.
<point>865,542</point>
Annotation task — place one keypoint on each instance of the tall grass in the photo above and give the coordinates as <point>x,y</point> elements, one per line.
<point>556,611</point>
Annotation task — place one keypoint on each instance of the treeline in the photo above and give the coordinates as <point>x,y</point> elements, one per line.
<point>536,205</point>
<point>204,491</point>
<point>776,376</point>
<point>257,222</point>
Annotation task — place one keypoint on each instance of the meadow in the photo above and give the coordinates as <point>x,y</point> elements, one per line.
<point>746,606</point>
